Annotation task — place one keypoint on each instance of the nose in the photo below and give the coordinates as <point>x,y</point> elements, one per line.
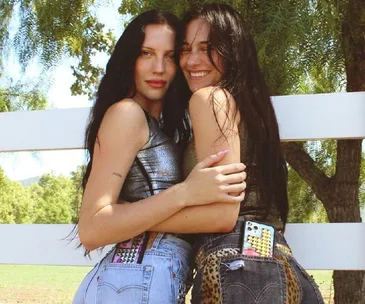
<point>192,58</point>
<point>159,65</point>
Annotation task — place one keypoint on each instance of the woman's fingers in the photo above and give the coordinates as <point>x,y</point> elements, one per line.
<point>234,188</point>
<point>212,159</point>
<point>234,178</point>
<point>233,199</point>
<point>230,169</point>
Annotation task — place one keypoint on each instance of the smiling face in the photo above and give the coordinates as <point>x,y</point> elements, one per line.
<point>198,70</point>
<point>155,68</point>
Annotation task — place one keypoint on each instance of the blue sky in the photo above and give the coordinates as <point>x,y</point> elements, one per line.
<point>22,165</point>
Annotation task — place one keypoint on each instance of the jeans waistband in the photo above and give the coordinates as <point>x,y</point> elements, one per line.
<point>132,251</point>
<point>169,243</point>
<point>155,239</point>
<point>208,244</point>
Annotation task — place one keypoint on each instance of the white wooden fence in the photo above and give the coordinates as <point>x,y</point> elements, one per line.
<point>301,117</point>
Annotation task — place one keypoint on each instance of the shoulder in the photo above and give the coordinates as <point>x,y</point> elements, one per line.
<point>126,110</point>
<point>127,118</point>
<point>211,98</point>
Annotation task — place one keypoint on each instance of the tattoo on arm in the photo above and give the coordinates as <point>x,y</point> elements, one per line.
<point>117,174</point>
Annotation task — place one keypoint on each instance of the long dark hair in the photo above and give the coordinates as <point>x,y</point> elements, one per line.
<point>242,78</point>
<point>118,82</point>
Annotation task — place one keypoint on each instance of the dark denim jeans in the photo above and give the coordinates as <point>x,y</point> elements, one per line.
<point>226,277</point>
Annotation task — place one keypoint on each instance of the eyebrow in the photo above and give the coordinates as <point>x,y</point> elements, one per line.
<point>152,49</point>
<point>201,43</point>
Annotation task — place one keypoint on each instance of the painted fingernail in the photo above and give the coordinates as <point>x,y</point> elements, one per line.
<point>222,152</point>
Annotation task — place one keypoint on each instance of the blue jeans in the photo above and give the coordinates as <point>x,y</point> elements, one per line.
<point>163,277</point>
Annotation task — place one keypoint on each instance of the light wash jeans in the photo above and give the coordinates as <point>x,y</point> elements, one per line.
<point>163,277</point>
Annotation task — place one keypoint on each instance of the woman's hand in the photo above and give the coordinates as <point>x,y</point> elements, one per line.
<point>206,184</point>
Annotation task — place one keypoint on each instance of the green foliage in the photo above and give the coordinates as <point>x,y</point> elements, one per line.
<point>295,39</point>
<point>324,153</point>
<point>17,98</point>
<point>282,31</point>
<point>76,178</point>
<point>52,29</point>
<point>304,206</point>
<point>15,203</point>
<point>53,198</point>
<point>6,11</point>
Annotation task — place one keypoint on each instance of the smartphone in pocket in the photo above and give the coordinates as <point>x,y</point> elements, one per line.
<point>258,239</point>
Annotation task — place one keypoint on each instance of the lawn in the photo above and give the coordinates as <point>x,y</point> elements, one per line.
<point>39,284</point>
<point>57,285</point>
<point>324,280</point>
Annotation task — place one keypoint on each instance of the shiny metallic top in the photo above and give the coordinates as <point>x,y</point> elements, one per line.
<point>251,207</point>
<point>155,168</point>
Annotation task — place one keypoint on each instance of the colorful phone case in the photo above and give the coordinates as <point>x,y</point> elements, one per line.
<point>131,251</point>
<point>258,239</point>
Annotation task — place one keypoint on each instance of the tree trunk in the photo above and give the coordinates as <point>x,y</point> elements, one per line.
<point>349,287</point>
<point>340,197</point>
<point>340,193</point>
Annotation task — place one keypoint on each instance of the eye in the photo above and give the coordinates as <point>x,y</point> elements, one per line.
<point>146,53</point>
<point>170,56</point>
<point>185,50</point>
<point>204,49</point>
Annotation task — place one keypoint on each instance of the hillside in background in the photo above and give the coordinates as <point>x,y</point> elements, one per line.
<point>29,181</point>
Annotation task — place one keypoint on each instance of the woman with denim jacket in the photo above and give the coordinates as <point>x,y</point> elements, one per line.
<point>133,191</point>
<point>230,109</point>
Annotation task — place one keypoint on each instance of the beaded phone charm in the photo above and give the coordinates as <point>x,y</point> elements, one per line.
<point>132,250</point>
<point>258,239</point>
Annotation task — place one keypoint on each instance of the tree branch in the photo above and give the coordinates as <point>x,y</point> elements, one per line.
<point>305,166</point>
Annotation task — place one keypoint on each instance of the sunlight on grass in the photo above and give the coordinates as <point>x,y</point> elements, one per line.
<point>39,284</point>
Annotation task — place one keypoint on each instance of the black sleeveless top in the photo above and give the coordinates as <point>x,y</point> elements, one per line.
<point>156,166</point>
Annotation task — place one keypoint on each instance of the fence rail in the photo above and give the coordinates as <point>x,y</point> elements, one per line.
<point>301,117</point>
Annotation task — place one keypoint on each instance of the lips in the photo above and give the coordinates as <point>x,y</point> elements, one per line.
<point>156,83</point>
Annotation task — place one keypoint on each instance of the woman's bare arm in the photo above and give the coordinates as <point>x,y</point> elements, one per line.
<point>209,139</point>
<point>122,134</point>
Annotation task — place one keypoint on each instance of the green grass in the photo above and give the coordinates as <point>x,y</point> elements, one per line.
<point>39,284</point>
<point>57,285</point>
<point>323,279</point>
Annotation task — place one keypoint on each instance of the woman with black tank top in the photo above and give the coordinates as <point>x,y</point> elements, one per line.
<point>133,185</point>
<point>230,108</point>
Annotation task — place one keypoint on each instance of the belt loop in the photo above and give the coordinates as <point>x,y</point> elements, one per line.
<point>156,239</point>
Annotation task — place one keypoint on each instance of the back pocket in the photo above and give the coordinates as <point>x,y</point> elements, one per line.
<point>124,283</point>
<point>257,280</point>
